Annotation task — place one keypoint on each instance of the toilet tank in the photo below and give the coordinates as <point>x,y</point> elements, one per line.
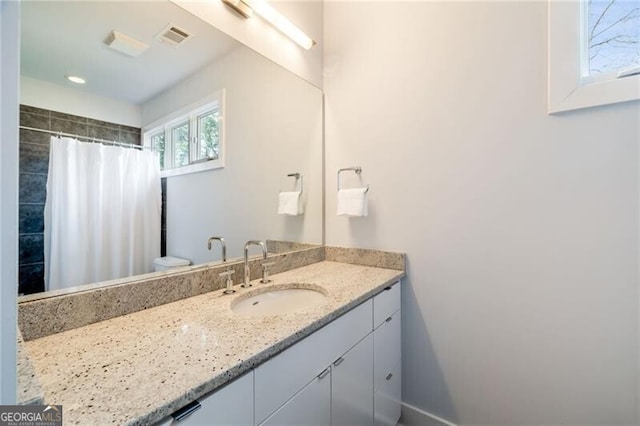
<point>169,262</point>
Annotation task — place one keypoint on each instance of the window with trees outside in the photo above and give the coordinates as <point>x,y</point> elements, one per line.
<point>190,141</point>
<point>605,68</point>
<point>612,37</point>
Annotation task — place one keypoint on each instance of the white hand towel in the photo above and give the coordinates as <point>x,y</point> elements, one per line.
<point>352,202</point>
<point>290,203</point>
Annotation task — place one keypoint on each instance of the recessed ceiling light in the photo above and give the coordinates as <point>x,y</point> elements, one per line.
<point>75,79</point>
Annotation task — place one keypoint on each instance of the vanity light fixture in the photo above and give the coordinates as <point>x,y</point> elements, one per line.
<point>275,18</point>
<point>75,79</point>
<point>239,6</point>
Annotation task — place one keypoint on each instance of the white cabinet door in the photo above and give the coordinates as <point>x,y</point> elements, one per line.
<point>310,407</point>
<point>387,342</point>
<point>230,405</point>
<point>352,386</point>
<point>387,399</point>
<point>278,379</point>
<point>387,371</point>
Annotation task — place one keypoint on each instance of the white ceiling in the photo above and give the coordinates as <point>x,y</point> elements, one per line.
<point>67,37</point>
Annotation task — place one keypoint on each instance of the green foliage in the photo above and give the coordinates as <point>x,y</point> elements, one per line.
<point>209,136</point>
<point>206,148</point>
<point>157,144</point>
<point>181,145</point>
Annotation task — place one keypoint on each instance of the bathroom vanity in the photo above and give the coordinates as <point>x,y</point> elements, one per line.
<point>336,361</point>
<point>346,373</point>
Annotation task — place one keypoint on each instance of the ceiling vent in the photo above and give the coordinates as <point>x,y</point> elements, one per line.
<point>173,35</point>
<point>125,44</point>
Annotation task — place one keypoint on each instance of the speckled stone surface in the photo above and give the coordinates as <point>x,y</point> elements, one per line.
<point>29,389</point>
<point>59,311</point>
<point>366,257</point>
<point>138,368</point>
<point>277,246</point>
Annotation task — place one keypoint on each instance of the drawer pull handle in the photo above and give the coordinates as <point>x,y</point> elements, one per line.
<point>324,373</point>
<point>389,376</point>
<point>186,411</point>
<point>387,288</point>
<point>338,361</point>
<point>389,319</point>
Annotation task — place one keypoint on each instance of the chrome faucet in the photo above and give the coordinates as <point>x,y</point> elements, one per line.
<point>228,273</point>
<point>265,272</point>
<point>224,246</point>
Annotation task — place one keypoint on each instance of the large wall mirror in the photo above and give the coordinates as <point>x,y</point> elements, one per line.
<point>272,126</point>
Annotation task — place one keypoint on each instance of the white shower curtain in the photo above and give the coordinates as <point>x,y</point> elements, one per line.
<point>102,213</point>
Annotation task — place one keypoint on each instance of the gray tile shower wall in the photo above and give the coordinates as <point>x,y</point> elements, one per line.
<point>34,163</point>
<point>34,166</point>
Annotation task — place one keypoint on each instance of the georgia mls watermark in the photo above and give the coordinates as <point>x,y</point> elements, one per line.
<point>30,415</point>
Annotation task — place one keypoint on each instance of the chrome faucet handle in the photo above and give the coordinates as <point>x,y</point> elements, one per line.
<point>228,273</point>
<point>265,271</point>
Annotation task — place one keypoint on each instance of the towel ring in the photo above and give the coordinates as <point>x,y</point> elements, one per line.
<point>356,169</point>
<point>297,176</point>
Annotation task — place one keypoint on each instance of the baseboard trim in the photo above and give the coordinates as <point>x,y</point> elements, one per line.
<point>413,416</point>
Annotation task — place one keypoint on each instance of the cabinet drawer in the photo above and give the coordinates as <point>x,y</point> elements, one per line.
<point>386,304</point>
<point>386,349</point>
<point>282,376</point>
<point>387,400</point>
<point>229,405</point>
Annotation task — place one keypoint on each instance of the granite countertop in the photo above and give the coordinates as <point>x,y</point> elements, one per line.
<point>28,383</point>
<point>139,368</point>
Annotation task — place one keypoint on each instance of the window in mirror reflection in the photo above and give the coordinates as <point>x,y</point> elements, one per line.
<point>157,144</point>
<point>180,139</point>
<point>192,141</point>
<point>209,136</point>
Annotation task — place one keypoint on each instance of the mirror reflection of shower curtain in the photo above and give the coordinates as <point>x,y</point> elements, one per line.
<point>102,213</point>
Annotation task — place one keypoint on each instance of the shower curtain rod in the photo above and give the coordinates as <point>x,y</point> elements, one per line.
<point>89,138</point>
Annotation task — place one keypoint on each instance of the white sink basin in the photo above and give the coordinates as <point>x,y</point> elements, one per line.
<point>278,299</point>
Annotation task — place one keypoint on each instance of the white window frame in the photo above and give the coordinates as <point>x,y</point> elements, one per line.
<point>190,113</point>
<point>568,89</point>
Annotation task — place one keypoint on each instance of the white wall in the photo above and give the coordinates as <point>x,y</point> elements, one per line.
<point>265,39</point>
<point>53,97</point>
<point>9,77</point>
<point>521,303</point>
<point>273,127</point>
